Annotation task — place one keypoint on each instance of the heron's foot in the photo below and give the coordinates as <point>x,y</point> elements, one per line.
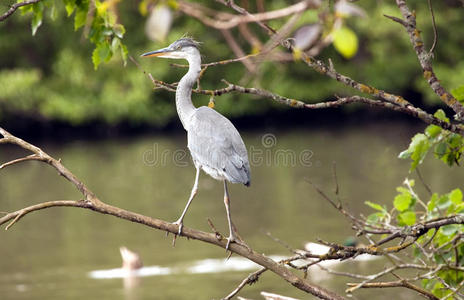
<point>234,239</point>
<point>180,223</point>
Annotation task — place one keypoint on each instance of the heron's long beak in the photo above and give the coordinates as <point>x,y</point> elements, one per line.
<point>158,53</point>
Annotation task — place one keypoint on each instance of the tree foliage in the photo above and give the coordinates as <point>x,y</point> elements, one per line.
<point>83,33</point>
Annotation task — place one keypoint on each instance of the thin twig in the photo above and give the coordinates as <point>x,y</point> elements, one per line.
<point>18,160</point>
<point>346,274</point>
<point>399,283</point>
<point>237,50</point>
<point>427,187</point>
<point>15,6</point>
<point>250,279</point>
<point>200,13</point>
<point>435,33</point>
<point>334,173</point>
<point>14,220</point>
<point>282,243</point>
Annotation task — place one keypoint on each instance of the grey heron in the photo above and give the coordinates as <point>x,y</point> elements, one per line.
<point>214,143</point>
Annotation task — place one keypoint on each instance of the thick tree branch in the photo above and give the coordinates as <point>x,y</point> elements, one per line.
<point>93,203</point>
<point>14,7</point>
<point>407,109</point>
<point>425,60</point>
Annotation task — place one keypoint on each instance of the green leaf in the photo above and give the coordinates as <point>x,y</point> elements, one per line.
<point>53,12</point>
<point>407,218</point>
<point>345,42</point>
<point>102,53</point>
<point>432,203</point>
<point>420,146</point>
<point>449,229</point>
<point>25,8</point>
<point>458,93</point>
<point>81,14</point>
<point>456,196</point>
<point>444,202</point>
<point>455,140</point>
<point>402,190</point>
<point>37,9</point>
<point>433,131</point>
<point>124,53</point>
<point>95,58</point>
<point>374,218</point>
<point>440,114</point>
<point>417,150</point>
<point>440,150</point>
<point>402,202</point>
<point>119,30</point>
<point>375,206</point>
<point>115,44</point>
<point>69,5</point>
<point>404,154</point>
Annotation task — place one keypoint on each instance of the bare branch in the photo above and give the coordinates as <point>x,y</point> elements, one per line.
<point>399,283</point>
<point>272,296</point>
<point>237,50</point>
<point>322,68</point>
<point>427,187</point>
<point>250,279</point>
<point>435,33</point>
<point>199,13</point>
<point>91,202</point>
<point>18,160</point>
<point>425,61</point>
<point>15,6</point>
<point>44,157</point>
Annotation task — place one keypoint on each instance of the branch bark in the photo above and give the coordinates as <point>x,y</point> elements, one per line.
<point>399,283</point>
<point>92,202</point>
<point>14,7</point>
<point>235,20</point>
<point>329,70</point>
<point>425,60</point>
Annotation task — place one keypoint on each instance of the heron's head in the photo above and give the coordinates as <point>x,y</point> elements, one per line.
<point>181,49</point>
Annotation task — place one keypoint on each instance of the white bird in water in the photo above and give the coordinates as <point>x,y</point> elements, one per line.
<point>214,143</point>
<point>130,260</point>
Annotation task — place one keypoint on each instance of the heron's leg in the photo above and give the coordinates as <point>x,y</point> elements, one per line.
<point>192,195</point>
<point>232,238</point>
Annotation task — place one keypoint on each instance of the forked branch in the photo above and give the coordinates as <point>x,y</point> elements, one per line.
<point>92,202</point>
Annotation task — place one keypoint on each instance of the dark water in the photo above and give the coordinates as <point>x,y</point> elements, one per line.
<point>49,254</point>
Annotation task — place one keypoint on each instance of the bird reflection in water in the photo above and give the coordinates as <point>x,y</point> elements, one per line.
<point>131,262</point>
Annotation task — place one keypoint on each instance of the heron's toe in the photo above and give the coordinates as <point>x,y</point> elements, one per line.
<point>230,239</point>
<point>180,224</point>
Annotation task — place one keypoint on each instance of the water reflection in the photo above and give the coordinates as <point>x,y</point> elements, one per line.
<point>220,265</point>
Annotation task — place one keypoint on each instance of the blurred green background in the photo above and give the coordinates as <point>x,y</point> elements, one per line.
<point>48,82</point>
<point>50,77</point>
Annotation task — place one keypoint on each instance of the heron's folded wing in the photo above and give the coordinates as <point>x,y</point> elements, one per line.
<point>215,142</point>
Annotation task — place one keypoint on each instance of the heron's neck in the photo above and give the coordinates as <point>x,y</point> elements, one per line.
<point>184,103</point>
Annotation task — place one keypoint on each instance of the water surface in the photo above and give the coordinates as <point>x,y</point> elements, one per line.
<point>49,254</point>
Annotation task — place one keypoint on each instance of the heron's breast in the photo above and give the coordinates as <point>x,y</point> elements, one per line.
<point>213,172</point>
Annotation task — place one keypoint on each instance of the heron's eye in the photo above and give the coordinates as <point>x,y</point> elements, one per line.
<point>178,47</point>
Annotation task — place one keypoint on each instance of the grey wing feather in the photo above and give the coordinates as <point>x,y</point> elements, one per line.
<point>215,143</point>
